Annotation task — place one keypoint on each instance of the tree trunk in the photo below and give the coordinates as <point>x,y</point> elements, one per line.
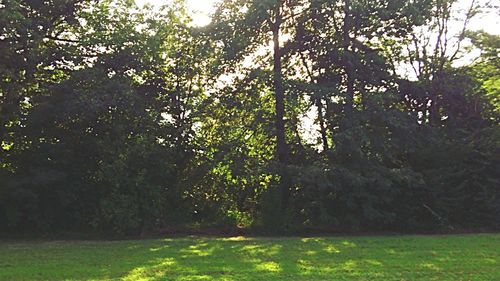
<point>322,126</point>
<point>281,145</point>
<point>349,71</point>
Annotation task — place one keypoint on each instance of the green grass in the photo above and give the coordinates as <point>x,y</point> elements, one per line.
<point>470,257</point>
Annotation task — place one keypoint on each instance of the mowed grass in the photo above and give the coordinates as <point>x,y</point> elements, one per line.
<point>469,257</point>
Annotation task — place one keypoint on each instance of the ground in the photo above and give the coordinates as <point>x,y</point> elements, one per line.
<point>468,257</point>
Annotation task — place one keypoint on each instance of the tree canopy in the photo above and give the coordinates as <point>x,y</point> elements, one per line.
<point>280,116</point>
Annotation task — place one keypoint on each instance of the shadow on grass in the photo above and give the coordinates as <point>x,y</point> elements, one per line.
<point>247,259</point>
<point>251,259</point>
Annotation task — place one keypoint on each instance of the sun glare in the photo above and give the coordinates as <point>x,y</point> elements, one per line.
<point>200,9</point>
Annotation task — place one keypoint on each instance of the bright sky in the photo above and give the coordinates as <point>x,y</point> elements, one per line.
<point>201,10</point>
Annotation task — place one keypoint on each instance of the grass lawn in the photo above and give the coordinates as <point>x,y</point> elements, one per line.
<point>469,257</point>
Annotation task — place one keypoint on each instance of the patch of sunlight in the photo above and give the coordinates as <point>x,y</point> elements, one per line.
<point>274,250</point>
<point>431,266</point>
<point>237,238</point>
<point>167,262</point>
<point>373,262</point>
<point>305,265</point>
<point>204,244</point>
<point>348,244</point>
<point>251,248</point>
<point>259,249</point>
<point>490,260</point>
<point>142,274</point>
<point>159,248</point>
<point>349,265</point>
<point>332,250</point>
<point>391,251</point>
<point>6,146</point>
<point>269,267</point>
<point>305,240</point>
<point>311,253</point>
<point>150,272</point>
<point>444,259</point>
<point>253,260</point>
<point>195,277</point>
<point>196,251</point>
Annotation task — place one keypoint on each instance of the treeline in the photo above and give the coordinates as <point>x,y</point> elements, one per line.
<point>279,115</point>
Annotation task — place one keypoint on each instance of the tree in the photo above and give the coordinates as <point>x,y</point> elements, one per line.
<point>281,115</point>
<point>252,22</point>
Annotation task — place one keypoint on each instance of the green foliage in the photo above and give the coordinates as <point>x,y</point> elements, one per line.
<point>486,70</point>
<point>125,120</point>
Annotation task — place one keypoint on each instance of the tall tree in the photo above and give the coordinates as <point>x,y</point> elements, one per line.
<point>244,26</point>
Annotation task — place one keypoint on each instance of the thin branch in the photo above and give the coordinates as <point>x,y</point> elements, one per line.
<point>464,29</point>
<point>61,39</point>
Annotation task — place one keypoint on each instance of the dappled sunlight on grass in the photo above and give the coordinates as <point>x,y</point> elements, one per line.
<point>331,249</point>
<point>152,271</point>
<point>249,248</point>
<point>255,249</point>
<point>490,260</point>
<point>349,265</point>
<point>200,250</point>
<point>142,274</point>
<point>373,262</point>
<point>251,259</point>
<point>390,251</point>
<point>348,244</point>
<point>268,267</point>
<point>431,266</point>
<point>310,253</point>
<point>162,248</point>
<point>237,238</point>
<point>305,264</point>
<point>195,278</point>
